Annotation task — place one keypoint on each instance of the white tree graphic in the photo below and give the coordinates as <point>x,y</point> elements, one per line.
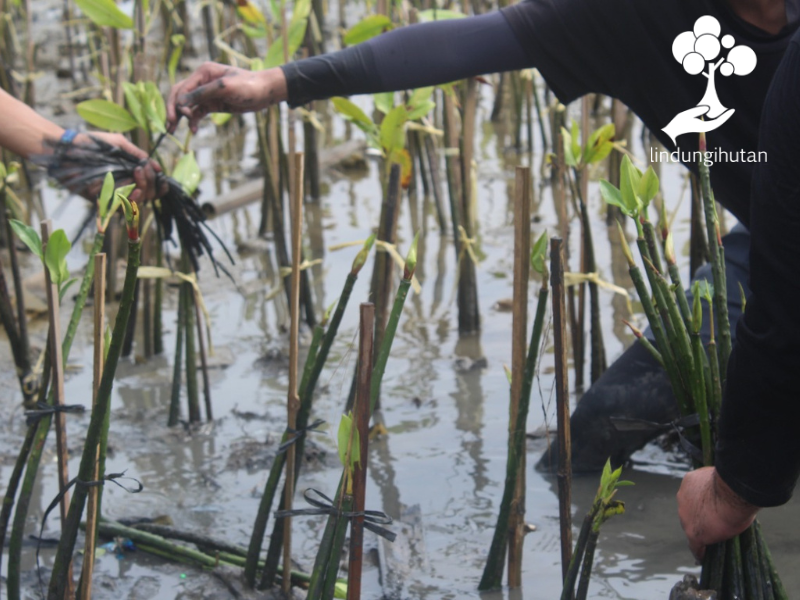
<point>700,48</point>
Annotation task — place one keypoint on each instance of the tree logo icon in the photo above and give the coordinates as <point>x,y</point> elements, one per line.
<point>702,52</point>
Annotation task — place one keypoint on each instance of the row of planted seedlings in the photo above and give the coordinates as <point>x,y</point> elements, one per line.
<point>741,567</point>
<point>510,530</point>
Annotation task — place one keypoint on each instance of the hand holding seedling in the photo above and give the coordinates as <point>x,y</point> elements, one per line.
<point>221,88</point>
<point>144,176</point>
<point>693,121</point>
<point>710,511</point>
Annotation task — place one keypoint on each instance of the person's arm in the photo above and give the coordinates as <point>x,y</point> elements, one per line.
<point>26,133</point>
<point>758,450</point>
<point>405,58</point>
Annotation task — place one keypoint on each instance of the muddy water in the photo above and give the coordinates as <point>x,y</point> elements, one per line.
<point>440,470</point>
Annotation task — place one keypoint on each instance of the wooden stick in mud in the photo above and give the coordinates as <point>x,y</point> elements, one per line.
<point>293,400</point>
<point>361,418</point>
<point>562,402</point>
<point>522,252</point>
<point>56,361</point>
<point>97,374</point>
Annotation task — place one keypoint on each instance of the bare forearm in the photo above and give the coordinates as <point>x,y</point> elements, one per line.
<point>24,131</point>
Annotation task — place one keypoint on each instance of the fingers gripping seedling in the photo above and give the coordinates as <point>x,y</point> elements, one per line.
<point>702,51</point>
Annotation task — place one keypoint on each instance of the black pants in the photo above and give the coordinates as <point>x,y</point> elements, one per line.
<point>635,385</point>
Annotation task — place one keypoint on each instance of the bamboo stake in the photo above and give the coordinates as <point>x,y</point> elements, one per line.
<point>562,403</point>
<point>293,401</point>
<point>522,251</point>
<point>97,374</point>
<point>56,362</point>
<point>365,352</point>
<point>203,357</point>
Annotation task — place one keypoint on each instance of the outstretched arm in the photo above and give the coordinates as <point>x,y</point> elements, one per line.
<point>26,132</point>
<point>406,58</point>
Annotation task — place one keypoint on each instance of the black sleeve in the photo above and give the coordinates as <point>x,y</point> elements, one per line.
<point>409,57</point>
<point>758,451</point>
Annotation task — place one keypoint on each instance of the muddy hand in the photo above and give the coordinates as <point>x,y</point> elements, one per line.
<point>144,176</point>
<point>222,88</point>
<point>710,512</point>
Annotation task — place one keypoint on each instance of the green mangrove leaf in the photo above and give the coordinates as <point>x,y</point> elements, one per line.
<point>249,12</point>
<point>420,95</point>
<point>539,254</point>
<point>629,184</point>
<point>178,42</point>
<point>648,186</point>
<point>366,29</point>
<point>28,236</point>
<point>105,195</point>
<point>63,289</point>
<point>403,158</point>
<point>599,144</point>
<point>417,111</point>
<point>612,195</point>
<point>301,11</point>
<point>624,483</point>
<point>435,14</point>
<point>55,256</point>
<point>257,33</point>
<point>154,108</point>
<point>393,133</point>
<point>353,113</point>
<point>576,144</point>
<point>340,590</point>
<point>134,103</point>
<point>509,374</point>
<point>343,442</point>
<point>105,13</point>
<point>187,173</point>
<point>106,115</point>
<point>384,102</point>
<point>219,119</point>
<point>411,258</point>
<point>3,171</point>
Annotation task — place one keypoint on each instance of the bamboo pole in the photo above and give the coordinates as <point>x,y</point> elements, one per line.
<point>56,362</point>
<point>203,357</point>
<point>562,403</point>
<point>293,401</point>
<point>365,353</point>
<point>522,251</point>
<point>97,374</point>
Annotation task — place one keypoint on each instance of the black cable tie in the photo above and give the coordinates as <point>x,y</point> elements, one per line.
<point>297,434</point>
<point>112,477</point>
<point>43,409</point>
<point>373,519</point>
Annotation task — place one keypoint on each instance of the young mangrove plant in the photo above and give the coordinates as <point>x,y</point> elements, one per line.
<point>30,454</point>
<point>603,508</point>
<point>326,564</point>
<point>59,580</point>
<point>696,374</point>
<point>598,145</point>
<point>318,354</point>
<point>493,570</point>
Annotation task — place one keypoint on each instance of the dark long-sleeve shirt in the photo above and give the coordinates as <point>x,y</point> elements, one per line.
<point>623,48</point>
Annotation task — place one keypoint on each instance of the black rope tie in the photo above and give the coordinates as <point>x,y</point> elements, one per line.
<point>112,477</point>
<point>297,434</point>
<point>373,519</point>
<point>43,409</point>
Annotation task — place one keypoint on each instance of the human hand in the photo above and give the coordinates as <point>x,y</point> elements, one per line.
<point>222,88</point>
<point>144,176</point>
<point>690,121</point>
<point>710,511</point>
